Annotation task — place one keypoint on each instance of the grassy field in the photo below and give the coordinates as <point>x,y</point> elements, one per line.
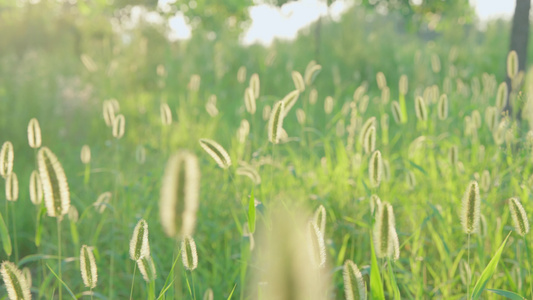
<point>282,213</point>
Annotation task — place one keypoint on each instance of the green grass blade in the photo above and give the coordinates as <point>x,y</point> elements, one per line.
<point>376,286</point>
<point>62,282</point>
<point>507,294</point>
<point>251,212</point>
<point>4,234</point>
<point>395,289</point>
<point>488,272</point>
<point>231,294</point>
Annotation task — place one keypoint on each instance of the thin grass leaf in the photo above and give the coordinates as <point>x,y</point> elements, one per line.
<point>4,235</point>
<point>395,289</point>
<point>62,282</point>
<point>376,285</point>
<point>507,294</point>
<point>488,272</point>
<point>231,294</point>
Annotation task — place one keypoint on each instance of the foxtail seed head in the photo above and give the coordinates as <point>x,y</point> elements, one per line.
<point>396,112</point>
<point>317,246</point>
<point>369,140</point>
<point>166,114</point>
<point>385,237</point>
<point>512,64</point>
<point>443,107</point>
<point>102,202</point>
<point>453,155</point>
<point>255,85</point>
<point>371,122</point>
<point>139,246</point>
<point>485,181</point>
<point>249,100</point>
<point>502,96</point>
<point>217,152</point>
<point>89,272</point>
<point>470,210</point>
<point>328,105</point>
<point>518,213</point>
<point>354,284</point>
<point>421,109</point>
<point>289,101</point>
<point>375,169</point>
<point>320,218</point>
<point>119,123</point>
<point>6,159</point>
<point>241,74</point>
<point>179,194</point>
<point>147,268</point>
<point>208,295</point>
<point>55,185</point>
<point>188,253</point>
<point>34,134</point>
<point>300,116</point>
<point>381,80</point>
<point>12,187</point>
<point>275,123</point>
<point>311,72</point>
<point>249,172</point>
<point>313,97</point>
<point>298,81</point>
<point>16,284</point>
<point>36,188</point>
<point>85,154</point>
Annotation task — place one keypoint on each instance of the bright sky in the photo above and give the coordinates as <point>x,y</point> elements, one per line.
<point>269,22</point>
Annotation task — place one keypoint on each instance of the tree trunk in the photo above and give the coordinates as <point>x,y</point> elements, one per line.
<point>519,41</point>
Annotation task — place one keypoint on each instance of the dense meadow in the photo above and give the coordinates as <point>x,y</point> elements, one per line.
<point>377,163</point>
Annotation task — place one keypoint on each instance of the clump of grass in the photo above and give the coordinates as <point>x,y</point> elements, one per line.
<point>16,283</point>
<point>354,284</point>
<point>217,152</point>
<point>89,272</point>
<point>179,194</point>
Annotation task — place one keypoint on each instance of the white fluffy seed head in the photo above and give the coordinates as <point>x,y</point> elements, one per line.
<point>519,216</point>
<point>316,245</point>
<point>119,123</point>
<point>328,105</point>
<point>502,96</point>
<point>255,85</point>
<point>12,187</point>
<point>108,113</point>
<point>6,159</point>
<point>189,255</point>
<point>250,173</point>
<point>36,188</point>
<point>34,134</point>
<point>470,210</point>
<point>384,232</point>
<point>139,246</point>
<point>512,64</point>
<point>313,96</point>
<point>354,284</point>
<point>275,122</point>
<point>241,74</point>
<point>208,295</point>
<point>320,218</point>
<point>396,112</point>
<point>217,152</point>
<point>421,109</point>
<point>102,202</point>
<point>298,81</point>
<point>375,169</point>
<point>249,100</point>
<point>369,140</point>
<point>443,107</point>
<point>300,116</point>
<point>311,72</point>
<point>179,194</point>
<point>166,114</point>
<point>147,268</point>
<point>15,282</point>
<point>55,185</point>
<point>89,272</point>
<point>289,100</point>
<point>381,80</point>
<point>85,154</point>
